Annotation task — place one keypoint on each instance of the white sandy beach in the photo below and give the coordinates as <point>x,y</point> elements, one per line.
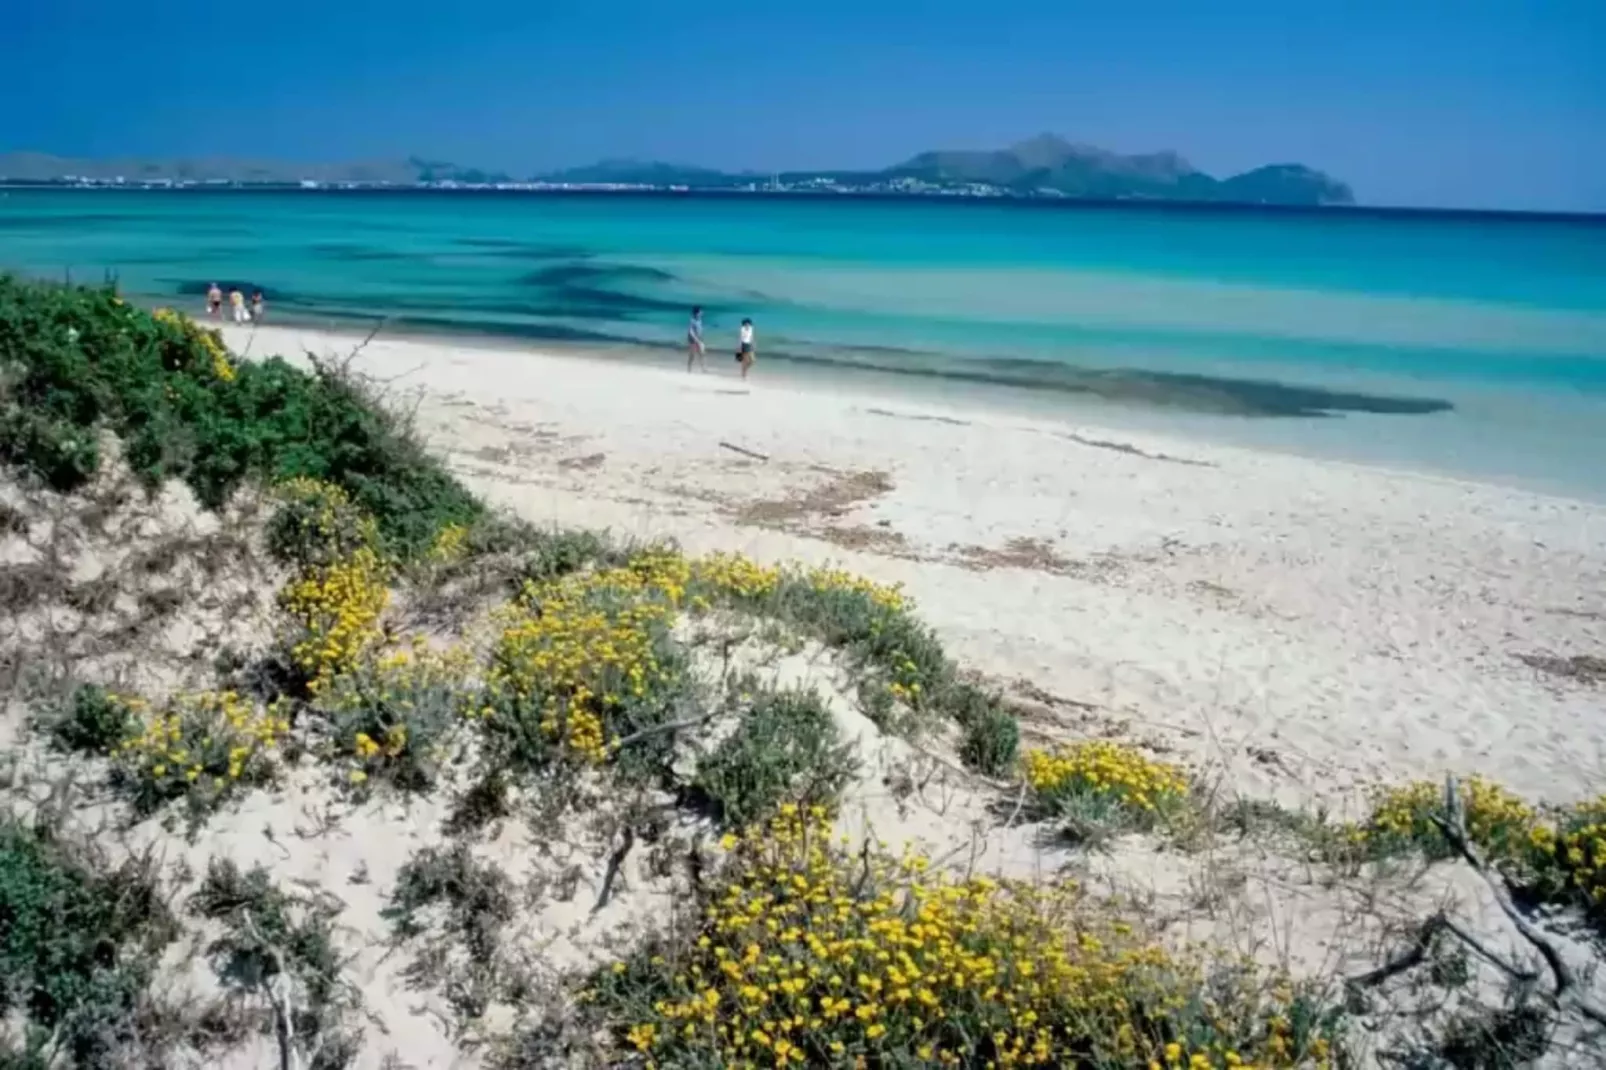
<point>1309,627</point>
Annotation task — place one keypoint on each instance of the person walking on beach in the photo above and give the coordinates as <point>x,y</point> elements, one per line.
<point>214,300</point>
<point>237,305</point>
<point>744,355</point>
<point>694,340</point>
<point>256,306</point>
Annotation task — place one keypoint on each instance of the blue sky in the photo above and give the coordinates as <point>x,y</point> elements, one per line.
<point>1480,103</point>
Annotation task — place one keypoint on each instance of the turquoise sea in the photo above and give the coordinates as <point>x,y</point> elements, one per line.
<point>1461,343</point>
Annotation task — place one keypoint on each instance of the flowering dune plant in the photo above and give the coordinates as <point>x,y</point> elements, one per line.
<point>1401,820</point>
<point>210,341</point>
<point>586,659</point>
<point>806,954</point>
<point>201,746</point>
<point>336,609</point>
<point>1569,857</point>
<point>1105,783</point>
<point>394,715</point>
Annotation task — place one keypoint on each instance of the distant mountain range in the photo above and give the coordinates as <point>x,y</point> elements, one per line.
<point>1044,166</point>
<point>1051,163</point>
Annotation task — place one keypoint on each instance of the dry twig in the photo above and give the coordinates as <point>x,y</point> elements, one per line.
<point>615,862</point>
<point>745,452</point>
<point>651,730</point>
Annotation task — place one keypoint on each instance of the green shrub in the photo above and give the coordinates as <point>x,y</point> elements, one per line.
<point>266,931</point>
<point>907,675</point>
<point>1566,858</point>
<point>62,454</point>
<point>76,361</point>
<point>1099,787</point>
<point>78,940</point>
<point>393,718</point>
<point>991,740</point>
<point>316,524</point>
<point>1401,822</point>
<point>95,722</point>
<point>478,903</point>
<point>549,555</point>
<point>785,749</point>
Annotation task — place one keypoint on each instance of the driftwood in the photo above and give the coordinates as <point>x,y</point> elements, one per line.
<point>284,1028</point>
<point>1565,994</point>
<point>745,452</point>
<point>1454,827</point>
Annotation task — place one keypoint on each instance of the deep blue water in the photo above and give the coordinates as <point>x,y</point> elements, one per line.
<point>1468,343</point>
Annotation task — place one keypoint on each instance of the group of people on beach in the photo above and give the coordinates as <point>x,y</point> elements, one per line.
<point>695,349</point>
<point>237,308</point>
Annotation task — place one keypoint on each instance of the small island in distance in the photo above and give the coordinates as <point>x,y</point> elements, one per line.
<point>1046,166</point>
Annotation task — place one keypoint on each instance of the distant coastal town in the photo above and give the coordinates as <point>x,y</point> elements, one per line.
<point>901,186</point>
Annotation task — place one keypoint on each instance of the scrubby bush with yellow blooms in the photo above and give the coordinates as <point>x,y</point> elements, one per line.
<point>449,545</point>
<point>1400,821</point>
<point>336,609</point>
<point>1555,854</point>
<point>579,652</point>
<point>906,671</point>
<point>394,715</point>
<point>1107,783</point>
<point>734,577</point>
<point>210,340</point>
<point>1568,857</point>
<point>586,658</point>
<point>316,523</point>
<point>200,747</point>
<point>808,954</point>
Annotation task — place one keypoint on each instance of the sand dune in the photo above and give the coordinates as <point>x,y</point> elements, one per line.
<point>1308,627</point>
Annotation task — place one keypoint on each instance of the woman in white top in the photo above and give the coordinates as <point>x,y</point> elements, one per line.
<point>745,355</point>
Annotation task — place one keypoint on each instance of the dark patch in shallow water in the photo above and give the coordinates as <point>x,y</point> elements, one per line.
<point>528,331</point>
<point>579,273</point>
<point>512,249</point>
<point>53,222</point>
<point>1199,393</point>
<point>589,303</point>
<point>158,259</point>
<point>582,290</point>
<point>353,252</point>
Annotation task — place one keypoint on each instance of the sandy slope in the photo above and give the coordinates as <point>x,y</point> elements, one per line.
<point>1309,626</point>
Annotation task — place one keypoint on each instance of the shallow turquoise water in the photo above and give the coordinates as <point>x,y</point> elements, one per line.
<point>1470,344</point>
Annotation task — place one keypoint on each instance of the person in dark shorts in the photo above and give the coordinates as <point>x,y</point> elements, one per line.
<point>745,355</point>
<point>214,301</point>
<point>256,306</point>
<point>694,340</point>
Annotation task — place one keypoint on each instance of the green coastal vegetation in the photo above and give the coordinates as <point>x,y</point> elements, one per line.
<point>425,646</point>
